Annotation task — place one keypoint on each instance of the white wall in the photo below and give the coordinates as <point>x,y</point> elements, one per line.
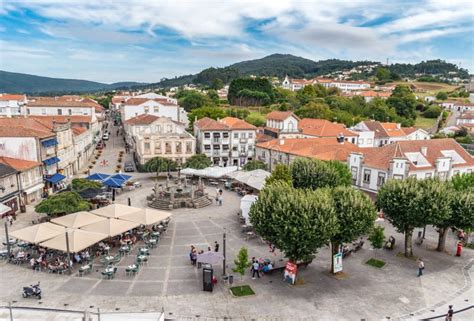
<point>59,111</point>
<point>19,147</point>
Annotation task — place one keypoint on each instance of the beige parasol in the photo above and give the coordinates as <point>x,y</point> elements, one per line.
<point>115,210</point>
<point>38,233</point>
<point>78,240</point>
<point>146,216</point>
<point>110,227</point>
<point>78,219</point>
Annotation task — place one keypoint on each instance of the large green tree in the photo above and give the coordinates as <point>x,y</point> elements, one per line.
<point>192,99</point>
<point>160,164</point>
<point>79,184</point>
<point>198,161</point>
<point>62,203</point>
<point>400,202</point>
<point>253,165</point>
<point>281,172</point>
<point>306,94</point>
<point>256,119</point>
<point>211,112</point>
<point>355,216</point>
<point>298,222</point>
<point>312,173</point>
<point>404,101</point>
<point>315,110</point>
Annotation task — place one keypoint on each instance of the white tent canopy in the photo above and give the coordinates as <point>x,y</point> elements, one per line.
<point>146,216</point>
<point>4,209</point>
<point>38,233</point>
<point>211,172</point>
<point>78,240</point>
<point>255,179</point>
<point>79,219</point>
<point>110,227</point>
<point>115,210</point>
<point>245,204</point>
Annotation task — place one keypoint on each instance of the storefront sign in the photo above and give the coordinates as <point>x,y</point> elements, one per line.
<point>290,272</point>
<point>337,262</point>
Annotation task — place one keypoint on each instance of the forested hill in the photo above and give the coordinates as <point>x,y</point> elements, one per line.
<point>12,82</point>
<point>280,65</point>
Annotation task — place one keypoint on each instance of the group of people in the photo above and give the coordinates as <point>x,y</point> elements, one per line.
<point>219,193</point>
<point>193,253</point>
<point>260,266</point>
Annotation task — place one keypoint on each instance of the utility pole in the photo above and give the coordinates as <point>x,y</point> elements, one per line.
<point>68,253</point>
<point>223,252</point>
<point>8,240</point>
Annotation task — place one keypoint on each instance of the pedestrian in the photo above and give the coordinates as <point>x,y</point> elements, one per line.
<point>449,316</point>
<point>216,246</point>
<point>255,269</point>
<point>421,267</point>
<point>220,200</point>
<point>194,257</point>
<point>217,195</point>
<point>191,254</point>
<point>209,249</point>
<point>10,219</point>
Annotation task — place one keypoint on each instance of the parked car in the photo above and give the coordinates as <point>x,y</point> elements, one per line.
<point>105,136</point>
<point>128,167</point>
<point>100,145</point>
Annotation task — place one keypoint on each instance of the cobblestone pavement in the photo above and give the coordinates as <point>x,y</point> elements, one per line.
<point>168,281</point>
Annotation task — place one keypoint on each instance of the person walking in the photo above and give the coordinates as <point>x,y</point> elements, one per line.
<point>216,246</point>
<point>10,219</point>
<point>449,316</point>
<point>421,267</point>
<point>255,269</point>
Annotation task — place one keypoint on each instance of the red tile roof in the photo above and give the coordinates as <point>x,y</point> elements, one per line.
<point>138,101</point>
<point>393,129</point>
<point>323,128</point>
<point>63,119</point>
<point>210,124</point>
<point>78,130</point>
<point>237,124</point>
<point>280,115</point>
<point>319,148</point>
<point>63,101</point>
<point>143,119</point>
<point>18,164</point>
<point>4,97</point>
<point>24,127</point>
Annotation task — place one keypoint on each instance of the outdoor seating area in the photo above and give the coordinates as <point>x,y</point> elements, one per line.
<point>98,238</point>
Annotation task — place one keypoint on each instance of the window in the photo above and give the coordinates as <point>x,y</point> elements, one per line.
<point>354,174</point>
<point>207,147</point>
<point>263,154</point>
<point>225,135</point>
<point>27,111</point>
<point>207,135</point>
<point>43,111</point>
<point>60,111</point>
<point>216,147</point>
<point>147,109</point>
<point>250,135</point>
<point>178,147</point>
<point>225,147</point>
<point>147,146</point>
<point>167,148</point>
<point>189,147</point>
<point>243,135</point>
<point>366,176</point>
<point>216,135</point>
<point>361,141</point>
<point>234,148</point>
<point>236,135</point>
<point>369,141</point>
<point>156,109</point>
<point>169,128</point>
<point>380,179</point>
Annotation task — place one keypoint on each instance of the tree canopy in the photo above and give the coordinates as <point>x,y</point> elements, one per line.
<point>281,173</point>
<point>253,165</point>
<point>160,164</point>
<point>312,173</point>
<point>250,91</point>
<point>198,161</point>
<point>192,99</point>
<point>62,203</point>
<point>211,112</point>
<point>79,184</point>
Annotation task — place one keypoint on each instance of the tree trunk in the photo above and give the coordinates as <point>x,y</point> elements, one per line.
<point>334,251</point>
<point>408,243</point>
<point>442,239</point>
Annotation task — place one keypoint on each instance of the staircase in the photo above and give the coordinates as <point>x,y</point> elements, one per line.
<point>160,204</point>
<point>202,201</point>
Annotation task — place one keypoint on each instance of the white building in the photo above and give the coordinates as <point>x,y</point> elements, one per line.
<point>344,85</point>
<point>242,140</point>
<point>283,123</point>
<point>443,158</point>
<point>458,106</point>
<point>375,134</point>
<point>465,118</point>
<point>10,105</point>
<point>61,106</point>
<point>295,84</point>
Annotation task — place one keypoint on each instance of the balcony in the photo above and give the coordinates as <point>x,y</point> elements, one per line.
<point>243,140</point>
<point>216,140</point>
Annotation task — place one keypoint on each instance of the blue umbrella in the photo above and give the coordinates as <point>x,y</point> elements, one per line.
<point>121,177</point>
<point>97,177</point>
<point>112,182</point>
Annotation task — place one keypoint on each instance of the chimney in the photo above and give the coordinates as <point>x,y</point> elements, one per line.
<point>282,141</point>
<point>340,138</point>
<point>424,150</point>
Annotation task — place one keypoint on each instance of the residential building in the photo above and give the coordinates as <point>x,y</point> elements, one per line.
<point>9,191</point>
<point>370,94</point>
<point>295,84</point>
<point>242,140</point>
<point>443,158</point>
<point>343,85</point>
<point>285,150</point>
<point>282,123</point>
<point>213,139</point>
<point>375,134</point>
<point>61,106</point>
<point>30,178</point>
<point>322,128</point>
<point>457,105</point>
<point>10,105</point>
<point>83,147</point>
<point>465,118</point>
<point>151,136</point>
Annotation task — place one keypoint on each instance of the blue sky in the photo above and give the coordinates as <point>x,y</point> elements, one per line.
<point>132,40</point>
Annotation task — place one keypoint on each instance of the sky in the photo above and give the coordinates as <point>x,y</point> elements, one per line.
<point>145,40</point>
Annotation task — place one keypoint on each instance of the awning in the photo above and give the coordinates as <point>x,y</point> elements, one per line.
<point>55,178</point>
<point>111,182</point>
<point>110,226</point>
<point>79,219</point>
<point>115,210</point>
<point>211,172</point>
<point>51,161</point>
<point>78,240</point>
<point>146,216</point>
<point>4,209</point>
<point>49,142</point>
<point>121,177</point>
<point>38,233</point>
<point>97,177</point>
<point>255,179</point>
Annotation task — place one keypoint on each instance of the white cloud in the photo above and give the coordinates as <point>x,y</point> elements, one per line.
<point>427,35</point>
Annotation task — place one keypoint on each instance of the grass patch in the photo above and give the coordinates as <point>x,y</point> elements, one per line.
<point>469,246</point>
<point>375,263</point>
<point>423,122</point>
<point>242,290</point>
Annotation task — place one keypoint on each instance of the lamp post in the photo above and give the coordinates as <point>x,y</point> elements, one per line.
<point>223,252</point>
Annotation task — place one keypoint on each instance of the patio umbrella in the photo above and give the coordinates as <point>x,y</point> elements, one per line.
<point>115,210</point>
<point>78,240</point>
<point>38,233</point>
<point>210,257</point>
<point>78,219</point>
<point>122,177</point>
<point>4,209</point>
<point>89,193</point>
<point>110,227</point>
<point>113,182</point>
<point>97,177</point>
<point>146,216</point>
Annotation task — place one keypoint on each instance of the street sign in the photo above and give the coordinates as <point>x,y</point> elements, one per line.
<point>290,272</point>
<point>337,262</point>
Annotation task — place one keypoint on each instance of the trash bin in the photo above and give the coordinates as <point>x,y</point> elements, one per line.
<point>207,274</point>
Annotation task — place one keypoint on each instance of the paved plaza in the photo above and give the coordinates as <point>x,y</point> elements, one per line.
<point>169,281</point>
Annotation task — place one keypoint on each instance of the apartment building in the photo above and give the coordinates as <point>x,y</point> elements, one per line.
<point>242,140</point>
<point>9,191</point>
<point>282,123</point>
<point>10,105</point>
<point>30,179</point>
<point>213,140</point>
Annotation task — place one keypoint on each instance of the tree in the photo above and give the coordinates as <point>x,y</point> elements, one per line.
<point>463,182</point>
<point>400,202</point>
<point>211,112</point>
<point>256,119</point>
<point>382,74</point>
<point>198,161</point>
<point>192,99</point>
<point>253,165</point>
<point>442,95</point>
<point>307,94</point>
<point>462,207</point>
<point>315,110</point>
<point>432,112</point>
<point>355,216</point>
<point>377,237</point>
<point>281,173</point>
<point>297,222</point>
<point>313,174</point>
<point>160,164</point>
<point>250,91</point>
<point>62,203</point>
<point>241,262</point>
<point>217,84</point>
<point>404,101</point>
<point>79,184</point>
<point>213,96</point>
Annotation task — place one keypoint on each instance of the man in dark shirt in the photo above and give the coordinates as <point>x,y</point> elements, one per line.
<point>216,246</point>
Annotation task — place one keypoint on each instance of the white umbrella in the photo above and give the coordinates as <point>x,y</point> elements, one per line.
<point>210,257</point>
<point>146,216</point>
<point>78,240</point>
<point>79,219</point>
<point>4,209</point>
<point>38,233</point>
<point>115,210</point>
